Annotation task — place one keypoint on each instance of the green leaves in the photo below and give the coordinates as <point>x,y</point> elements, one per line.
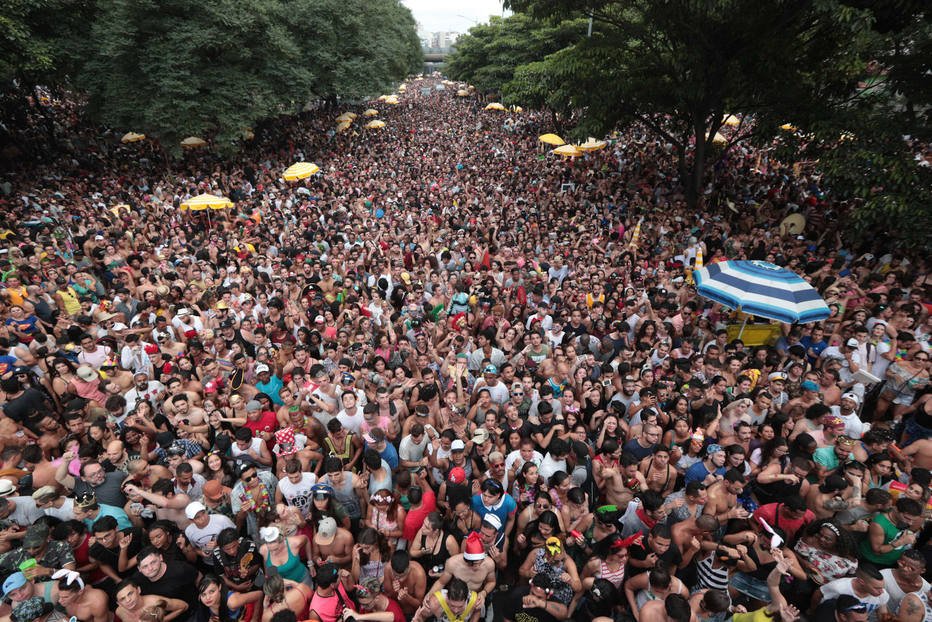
<point>172,68</point>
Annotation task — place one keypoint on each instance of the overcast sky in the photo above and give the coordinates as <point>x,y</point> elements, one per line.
<point>455,15</point>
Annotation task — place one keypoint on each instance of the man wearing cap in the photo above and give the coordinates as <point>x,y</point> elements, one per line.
<point>332,544</point>
<point>268,383</point>
<point>473,566</point>
<point>498,391</point>
<point>49,555</point>
<point>847,411</point>
<point>204,530</point>
<point>849,358</point>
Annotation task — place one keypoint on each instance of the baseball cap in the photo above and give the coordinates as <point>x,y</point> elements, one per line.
<point>457,475</point>
<point>321,490</point>
<point>480,436</point>
<point>853,397</point>
<point>326,531</point>
<point>193,508</point>
<point>14,582</point>
<point>261,367</point>
<point>87,373</point>
<point>457,445</point>
<point>809,385</point>
<point>36,535</point>
<point>852,343</point>
<point>713,448</point>
<point>490,369</point>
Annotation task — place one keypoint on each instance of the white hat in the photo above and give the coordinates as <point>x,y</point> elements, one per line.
<point>183,312</point>
<point>261,367</point>
<point>6,488</point>
<point>193,508</point>
<point>87,373</point>
<point>326,531</point>
<point>852,343</point>
<point>457,445</point>
<point>853,397</point>
<point>494,520</point>
<point>270,534</point>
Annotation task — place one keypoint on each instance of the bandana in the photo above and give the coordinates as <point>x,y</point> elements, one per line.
<point>286,442</point>
<point>647,520</point>
<point>554,546</point>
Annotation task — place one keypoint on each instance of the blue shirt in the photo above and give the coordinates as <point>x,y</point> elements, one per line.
<point>122,519</point>
<point>698,472</point>
<point>504,510</point>
<point>271,388</point>
<point>389,455</point>
<point>817,347</point>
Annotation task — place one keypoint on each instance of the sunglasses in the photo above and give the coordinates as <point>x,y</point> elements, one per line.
<point>249,478</point>
<point>321,496</point>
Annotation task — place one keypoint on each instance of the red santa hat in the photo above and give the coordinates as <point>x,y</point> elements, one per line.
<point>475,550</point>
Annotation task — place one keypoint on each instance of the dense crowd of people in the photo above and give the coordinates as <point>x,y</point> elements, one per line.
<point>445,379</point>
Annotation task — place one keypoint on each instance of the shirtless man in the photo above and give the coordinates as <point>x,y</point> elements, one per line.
<point>693,535</point>
<point>84,603</point>
<point>405,581</point>
<point>472,566</point>
<point>43,471</point>
<point>624,481</point>
<point>169,505</point>
<point>674,608</point>
<point>332,544</point>
<point>132,604</point>
<point>723,497</point>
<point>918,454</point>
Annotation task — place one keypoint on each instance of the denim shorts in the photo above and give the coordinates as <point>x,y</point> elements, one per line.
<point>750,586</point>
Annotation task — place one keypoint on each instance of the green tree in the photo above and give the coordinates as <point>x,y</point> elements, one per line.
<point>679,66</point>
<point>489,54</point>
<point>172,68</point>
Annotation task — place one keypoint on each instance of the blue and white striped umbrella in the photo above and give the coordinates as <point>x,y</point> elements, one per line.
<point>763,289</point>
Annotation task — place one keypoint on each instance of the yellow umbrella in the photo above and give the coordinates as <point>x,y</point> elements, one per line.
<point>718,139</point>
<point>731,120</point>
<point>203,201</point>
<point>402,88</point>
<point>495,106</point>
<point>347,116</point>
<point>392,100</point>
<point>383,97</point>
<point>551,139</point>
<point>569,151</point>
<point>636,234</point>
<point>462,93</point>
<point>788,127</point>
<point>592,144</point>
<point>375,125</point>
<point>193,142</point>
<point>342,126</point>
<point>371,112</point>
<point>517,109</point>
<point>301,170</point>
<point>132,137</point>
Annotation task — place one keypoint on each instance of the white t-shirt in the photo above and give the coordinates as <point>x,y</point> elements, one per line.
<point>853,425</point>
<point>351,422</point>
<point>409,451</point>
<point>836,588</point>
<point>322,415</point>
<point>548,466</point>
<point>65,512</point>
<point>514,459</point>
<point>298,495</point>
<point>200,538</point>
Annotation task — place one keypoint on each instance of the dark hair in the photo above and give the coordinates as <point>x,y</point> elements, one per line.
<point>659,576</point>
<point>846,545</point>
<point>905,505</point>
<point>458,590</point>
<point>400,561</point>
<point>878,496</point>
<point>104,523</point>
<point>677,608</point>
<point>223,611</point>
<point>651,501</point>
<point>868,570</point>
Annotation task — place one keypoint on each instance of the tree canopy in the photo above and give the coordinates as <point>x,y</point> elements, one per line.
<point>213,67</point>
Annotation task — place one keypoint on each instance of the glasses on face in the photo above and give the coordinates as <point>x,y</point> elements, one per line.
<point>249,478</point>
